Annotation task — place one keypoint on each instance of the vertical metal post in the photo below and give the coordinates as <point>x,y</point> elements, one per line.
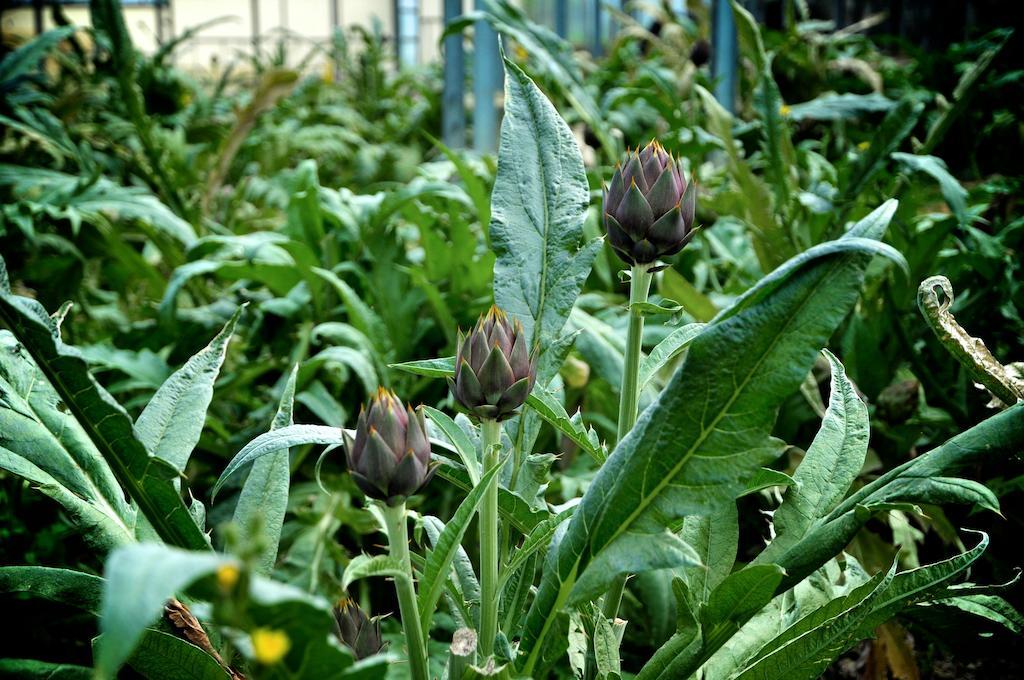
<point>723,55</point>
<point>254,7</point>
<point>453,107</point>
<point>407,31</point>
<point>562,18</point>
<point>487,80</point>
<point>37,15</point>
<point>158,11</point>
<point>597,39</point>
<point>840,14</point>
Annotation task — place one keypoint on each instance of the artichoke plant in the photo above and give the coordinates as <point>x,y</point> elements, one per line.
<point>389,457</point>
<point>494,368</point>
<point>649,206</point>
<point>358,631</point>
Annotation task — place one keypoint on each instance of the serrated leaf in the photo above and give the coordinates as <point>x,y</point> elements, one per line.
<point>365,566</point>
<point>691,450</point>
<point>146,479</point>
<point>439,559</point>
<point>832,462</point>
<point>264,496</point>
<point>538,206</point>
<point>672,346</point>
<point>172,421</point>
<point>276,440</point>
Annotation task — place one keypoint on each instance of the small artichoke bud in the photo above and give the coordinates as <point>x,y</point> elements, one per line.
<point>649,207</point>
<point>356,630</point>
<point>494,369</point>
<point>389,458</point>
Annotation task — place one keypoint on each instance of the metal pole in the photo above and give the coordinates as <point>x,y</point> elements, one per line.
<point>254,6</point>
<point>562,18</point>
<point>407,30</point>
<point>158,10</point>
<point>453,107</point>
<point>597,44</point>
<point>840,14</point>
<point>37,15</point>
<point>487,80</point>
<point>723,55</point>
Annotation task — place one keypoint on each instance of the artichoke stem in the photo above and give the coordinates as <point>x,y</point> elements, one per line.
<point>398,543</point>
<point>629,398</point>
<point>490,441</point>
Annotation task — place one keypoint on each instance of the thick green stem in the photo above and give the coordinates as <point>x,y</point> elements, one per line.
<point>490,442</point>
<point>629,396</point>
<point>398,541</point>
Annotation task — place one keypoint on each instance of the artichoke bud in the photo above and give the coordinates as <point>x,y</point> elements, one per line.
<point>649,206</point>
<point>356,630</point>
<point>494,368</point>
<point>389,458</point>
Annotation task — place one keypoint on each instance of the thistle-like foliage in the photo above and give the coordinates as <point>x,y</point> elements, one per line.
<point>494,369</point>
<point>357,630</point>
<point>649,206</point>
<point>389,458</point>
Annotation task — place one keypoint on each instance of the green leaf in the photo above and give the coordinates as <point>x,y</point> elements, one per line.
<point>96,201</point>
<point>808,647</point>
<point>170,425</point>
<point>832,462</point>
<point>277,440</point>
<point>512,507</point>
<point>73,588</point>
<point>364,566</point>
<point>147,480</point>
<point>28,669</point>
<point>439,559</point>
<point>552,411</point>
<point>459,439</point>
<point>921,480</point>
<point>741,595</point>
<point>431,368</point>
<point>163,656</point>
<point>674,285</point>
<point>715,537</point>
<point>832,106</point>
<point>538,206</point>
<point>19,63</point>
<point>934,167</point>
<point>991,607</point>
<point>691,451</point>
<point>264,497</point>
<point>606,649</point>
<point>666,350</point>
<point>767,478</point>
<point>139,580</point>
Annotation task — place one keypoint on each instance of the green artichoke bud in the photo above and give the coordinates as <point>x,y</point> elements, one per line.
<point>389,458</point>
<point>356,630</point>
<point>494,369</point>
<point>649,207</point>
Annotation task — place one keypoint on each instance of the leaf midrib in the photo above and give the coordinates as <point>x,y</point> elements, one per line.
<point>705,431</point>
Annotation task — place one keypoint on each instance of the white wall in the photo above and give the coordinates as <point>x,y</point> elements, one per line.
<point>306,21</point>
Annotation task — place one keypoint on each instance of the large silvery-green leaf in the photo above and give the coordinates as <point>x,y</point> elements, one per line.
<point>537,210</point>
<point>264,497</point>
<point>170,425</point>
<point>829,467</point>
<point>692,450</point>
<point>146,479</point>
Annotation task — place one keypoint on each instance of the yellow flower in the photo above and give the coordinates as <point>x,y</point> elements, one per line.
<point>784,110</point>
<point>863,146</point>
<point>227,576</point>
<point>269,646</point>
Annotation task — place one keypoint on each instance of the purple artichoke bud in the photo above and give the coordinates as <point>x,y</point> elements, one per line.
<point>356,630</point>
<point>389,458</point>
<point>649,207</point>
<point>494,368</point>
